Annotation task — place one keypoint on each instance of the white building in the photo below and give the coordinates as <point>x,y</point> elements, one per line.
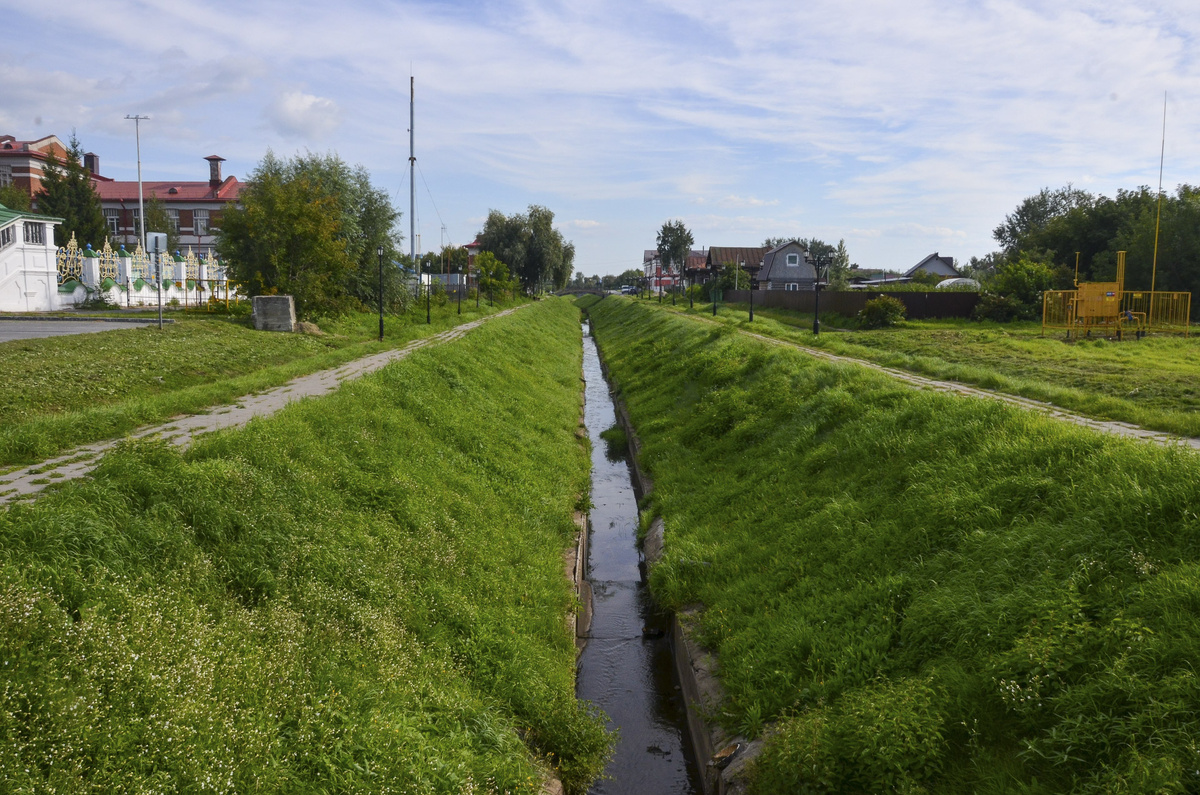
<point>28,268</point>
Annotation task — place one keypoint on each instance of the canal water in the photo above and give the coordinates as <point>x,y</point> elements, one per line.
<point>626,667</point>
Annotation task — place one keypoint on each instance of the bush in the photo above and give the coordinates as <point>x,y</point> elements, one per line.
<point>881,312</point>
<point>1015,292</point>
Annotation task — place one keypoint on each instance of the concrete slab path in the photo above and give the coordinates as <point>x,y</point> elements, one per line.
<point>28,481</point>
<point>954,387</point>
<point>23,329</point>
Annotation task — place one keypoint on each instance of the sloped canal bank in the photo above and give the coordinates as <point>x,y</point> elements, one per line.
<point>626,668</point>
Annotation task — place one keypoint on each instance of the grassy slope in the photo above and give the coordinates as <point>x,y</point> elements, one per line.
<point>1151,382</point>
<point>63,391</point>
<point>923,590</point>
<point>362,593</point>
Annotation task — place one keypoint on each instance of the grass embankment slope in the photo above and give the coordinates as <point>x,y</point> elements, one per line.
<point>364,593</point>
<point>59,392</point>
<point>1153,382</point>
<point>922,591</point>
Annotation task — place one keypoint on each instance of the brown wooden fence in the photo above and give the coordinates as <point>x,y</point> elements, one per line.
<point>918,305</point>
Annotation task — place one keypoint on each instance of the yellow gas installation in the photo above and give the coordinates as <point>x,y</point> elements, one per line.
<point>1109,310</point>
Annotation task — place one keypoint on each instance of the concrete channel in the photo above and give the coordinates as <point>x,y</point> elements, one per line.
<point>627,666</point>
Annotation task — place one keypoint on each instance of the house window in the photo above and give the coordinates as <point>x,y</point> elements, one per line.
<point>113,219</point>
<point>793,260</point>
<point>35,234</point>
<point>5,175</point>
<point>136,218</point>
<point>791,286</point>
<point>200,222</point>
<point>173,219</point>
<point>7,236</point>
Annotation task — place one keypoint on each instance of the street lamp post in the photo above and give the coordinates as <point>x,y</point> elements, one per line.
<point>137,134</point>
<point>818,262</point>
<point>715,285</point>
<point>379,251</point>
<point>752,272</point>
<point>428,298</point>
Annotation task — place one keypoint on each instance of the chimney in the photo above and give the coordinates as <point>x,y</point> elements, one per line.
<point>214,170</point>
<point>91,162</point>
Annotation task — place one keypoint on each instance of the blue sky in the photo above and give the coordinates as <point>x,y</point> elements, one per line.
<point>902,127</point>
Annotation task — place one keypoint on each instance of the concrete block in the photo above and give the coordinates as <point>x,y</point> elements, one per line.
<point>274,313</point>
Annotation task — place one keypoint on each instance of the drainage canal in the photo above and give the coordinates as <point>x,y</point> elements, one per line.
<point>626,667</point>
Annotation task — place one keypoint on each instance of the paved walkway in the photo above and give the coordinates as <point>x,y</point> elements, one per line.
<point>27,329</point>
<point>180,431</point>
<point>954,387</point>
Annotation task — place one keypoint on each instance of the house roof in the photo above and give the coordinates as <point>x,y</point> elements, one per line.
<point>725,255</point>
<point>935,264</point>
<point>7,216</point>
<point>776,269</point>
<point>40,148</point>
<point>168,192</point>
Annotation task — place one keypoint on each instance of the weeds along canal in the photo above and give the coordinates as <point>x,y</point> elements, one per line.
<point>626,667</point>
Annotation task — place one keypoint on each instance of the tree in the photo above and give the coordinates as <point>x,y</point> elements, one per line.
<point>531,246</point>
<point>327,249</point>
<point>15,198</point>
<point>67,192</point>
<point>674,245</point>
<point>157,220</point>
<point>1014,292</point>
<point>285,238</point>
<point>839,266</point>
<point>1036,212</point>
<point>494,276</point>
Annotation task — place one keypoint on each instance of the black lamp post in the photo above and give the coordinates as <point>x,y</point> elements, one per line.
<point>752,272</point>
<point>819,262</point>
<point>691,299</point>
<point>715,273</point>
<point>461,287</point>
<point>428,285</point>
<point>379,251</point>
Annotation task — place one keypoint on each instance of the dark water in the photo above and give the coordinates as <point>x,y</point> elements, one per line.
<point>626,668</point>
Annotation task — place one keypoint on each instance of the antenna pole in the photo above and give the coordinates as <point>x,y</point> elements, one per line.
<point>412,172</point>
<point>1158,218</point>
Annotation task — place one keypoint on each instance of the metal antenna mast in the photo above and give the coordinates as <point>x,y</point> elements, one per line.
<point>412,172</point>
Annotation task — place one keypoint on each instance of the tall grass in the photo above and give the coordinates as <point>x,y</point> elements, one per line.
<point>1149,382</point>
<point>917,591</point>
<point>60,392</point>
<point>364,593</point>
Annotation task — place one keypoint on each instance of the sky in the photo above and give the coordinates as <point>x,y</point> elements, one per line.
<point>903,128</point>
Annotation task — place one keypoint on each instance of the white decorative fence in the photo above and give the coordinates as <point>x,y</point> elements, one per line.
<point>122,278</point>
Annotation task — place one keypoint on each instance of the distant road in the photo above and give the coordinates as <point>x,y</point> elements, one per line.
<point>32,329</point>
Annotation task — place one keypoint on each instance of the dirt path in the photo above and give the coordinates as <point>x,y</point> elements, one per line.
<point>180,431</point>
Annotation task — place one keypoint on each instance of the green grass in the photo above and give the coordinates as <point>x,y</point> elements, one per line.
<point>364,593</point>
<point>60,392</point>
<point>1151,382</point>
<point>917,590</point>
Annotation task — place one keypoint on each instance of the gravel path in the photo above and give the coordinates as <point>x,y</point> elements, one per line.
<point>180,431</point>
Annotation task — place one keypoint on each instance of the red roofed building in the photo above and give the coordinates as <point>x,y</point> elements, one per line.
<point>22,163</point>
<point>193,207</point>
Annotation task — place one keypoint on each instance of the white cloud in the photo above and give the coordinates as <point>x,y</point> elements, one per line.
<point>298,115</point>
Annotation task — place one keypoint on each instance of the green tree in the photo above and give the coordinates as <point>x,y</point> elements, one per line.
<point>15,198</point>
<point>674,245</point>
<point>528,242</point>
<point>335,259</point>
<point>1014,292</point>
<point>67,192</point>
<point>839,267</point>
<point>1036,212</point>
<point>157,220</point>
<point>286,239</point>
<point>494,276</point>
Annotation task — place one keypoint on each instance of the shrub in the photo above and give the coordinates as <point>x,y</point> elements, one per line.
<point>881,312</point>
<point>1015,292</point>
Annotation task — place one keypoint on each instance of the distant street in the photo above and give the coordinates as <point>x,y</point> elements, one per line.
<point>32,329</point>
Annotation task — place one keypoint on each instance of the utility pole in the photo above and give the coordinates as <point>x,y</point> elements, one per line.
<point>137,134</point>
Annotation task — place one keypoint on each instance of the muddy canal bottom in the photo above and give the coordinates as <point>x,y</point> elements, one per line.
<point>626,668</point>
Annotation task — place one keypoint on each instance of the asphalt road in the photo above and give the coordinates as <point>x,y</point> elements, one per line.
<point>31,329</point>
